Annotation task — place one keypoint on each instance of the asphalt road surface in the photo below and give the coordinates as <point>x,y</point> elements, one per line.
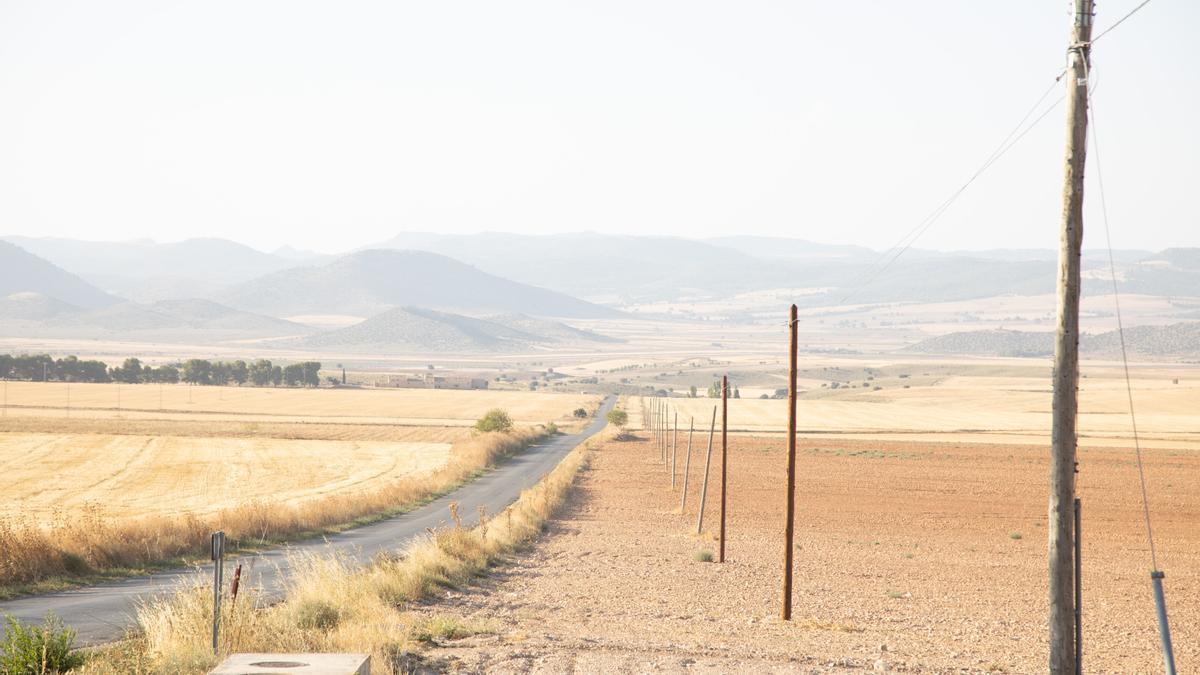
<point>104,612</point>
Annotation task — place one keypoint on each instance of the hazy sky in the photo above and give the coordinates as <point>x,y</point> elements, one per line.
<point>331,125</point>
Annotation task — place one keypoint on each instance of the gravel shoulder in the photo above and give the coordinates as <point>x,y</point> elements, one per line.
<point>911,557</point>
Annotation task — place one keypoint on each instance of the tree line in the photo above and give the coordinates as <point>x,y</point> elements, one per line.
<point>260,373</point>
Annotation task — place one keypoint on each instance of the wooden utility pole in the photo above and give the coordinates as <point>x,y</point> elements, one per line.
<point>724,457</point>
<point>1066,353</point>
<point>790,523</point>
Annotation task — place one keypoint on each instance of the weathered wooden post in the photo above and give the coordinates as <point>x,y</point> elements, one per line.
<point>790,508</point>
<point>218,557</point>
<point>674,445</point>
<point>724,458</point>
<point>687,466</point>
<point>712,428</point>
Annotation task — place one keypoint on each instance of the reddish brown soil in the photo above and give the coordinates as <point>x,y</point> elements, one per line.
<point>909,558</point>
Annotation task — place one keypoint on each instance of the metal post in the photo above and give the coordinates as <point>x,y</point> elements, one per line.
<point>712,428</point>
<point>790,522</point>
<point>1078,593</point>
<point>687,466</point>
<point>1164,629</point>
<point>724,460</point>
<point>218,556</point>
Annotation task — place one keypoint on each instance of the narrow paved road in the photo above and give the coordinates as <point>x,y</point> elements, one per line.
<point>103,612</point>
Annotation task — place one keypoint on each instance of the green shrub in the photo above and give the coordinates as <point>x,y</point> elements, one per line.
<point>551,428</point>
<point>317,614</point>
<point>495,419</point>
<point>580,413</point>
<point>617,417</point>
<point>703,556</point>
<point>38,650</point>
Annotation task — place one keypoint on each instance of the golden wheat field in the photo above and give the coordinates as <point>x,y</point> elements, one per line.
<point>129,457</point>
<point>420,407</point>
<point>973,408</point>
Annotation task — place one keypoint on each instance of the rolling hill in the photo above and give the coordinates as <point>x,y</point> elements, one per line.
<point>24,272</point>
<point>416,329</point>
<point>148,271</point>
<point>1175,341</point>
<point>368,282</point>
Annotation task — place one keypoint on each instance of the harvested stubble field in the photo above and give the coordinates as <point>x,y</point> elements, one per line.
<point>95,493</point>
<point>910,557</point>
<point>974,408</point>
<point>414,407</point>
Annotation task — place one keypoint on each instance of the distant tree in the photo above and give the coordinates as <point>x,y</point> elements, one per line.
<point>130,371</point>
<point>165,374</point>
<point>260,373</point>
<point>197,371</point>
<point>276,375</point>
<point>580,413</point>
<point>495,420</point>
<point>692,391</point>
<point>737,393</point>
<point>293,374</point>
<point>239,372</point>
<point>220,373</point>
<point>310,373</point>
<point>6,366</point>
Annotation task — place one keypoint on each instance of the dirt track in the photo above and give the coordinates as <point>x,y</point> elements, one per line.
<point>935,551</point>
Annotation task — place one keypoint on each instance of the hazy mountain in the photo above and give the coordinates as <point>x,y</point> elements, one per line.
<point>369,282</point>
<point>22,272</point>
<point>1180,340</point>
<point>147,271</point>
<point>603,267</point>
<point>29,306</point>
<point>192,320</point>
<point>416,329</point>
<point>548,331</point>
<point>786,247</point>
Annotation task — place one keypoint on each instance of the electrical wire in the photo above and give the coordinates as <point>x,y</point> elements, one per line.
<point>1120,21</point>
<point>1112,268</point>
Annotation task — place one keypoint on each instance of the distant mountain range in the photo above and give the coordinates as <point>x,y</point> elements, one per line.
<point>147,271</point>
<point>416,329</point>
<point>369,282</point>
<point>1179,340</point>
<point>24,272</point>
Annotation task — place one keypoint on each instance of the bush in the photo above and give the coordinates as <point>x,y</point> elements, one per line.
<point>317,614</point>
<point>617,417</point>
<point>580,413</point>
<point>551,428</point>
<point>496,419</point>
<point>703,556</point>
<point>34,650</point>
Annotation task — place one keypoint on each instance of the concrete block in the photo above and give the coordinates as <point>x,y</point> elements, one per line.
<point>295,664</point>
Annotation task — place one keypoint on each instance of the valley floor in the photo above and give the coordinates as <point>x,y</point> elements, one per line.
<point>910,557</point>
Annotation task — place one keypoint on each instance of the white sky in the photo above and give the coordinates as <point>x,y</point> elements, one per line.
<point>331,125</point>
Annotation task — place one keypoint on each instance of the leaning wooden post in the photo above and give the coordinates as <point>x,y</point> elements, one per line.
<point>724,458</point>
<point>687,466</point>
<point>789,527</point>
<point>712,428</point>
<point>674,445</point>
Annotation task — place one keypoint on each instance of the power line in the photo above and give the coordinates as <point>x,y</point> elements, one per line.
<point>1120,21</point>
<point>1112,267</point>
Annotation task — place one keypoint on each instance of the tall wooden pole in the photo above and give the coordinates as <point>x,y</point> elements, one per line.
<point>687,467</point>
<point>674,445</point>
<point>724,457</point>
<point>1066,353</point>
<point>790,524</point>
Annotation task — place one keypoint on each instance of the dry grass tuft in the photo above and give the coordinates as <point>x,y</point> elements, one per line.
<point>331,606</point>
<point>87,543</point>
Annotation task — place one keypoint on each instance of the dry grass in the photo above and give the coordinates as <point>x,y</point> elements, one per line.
<point>331,606</point>
<point>88,543</point>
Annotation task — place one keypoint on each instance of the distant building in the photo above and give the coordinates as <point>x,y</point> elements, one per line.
<point>431,381</point>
